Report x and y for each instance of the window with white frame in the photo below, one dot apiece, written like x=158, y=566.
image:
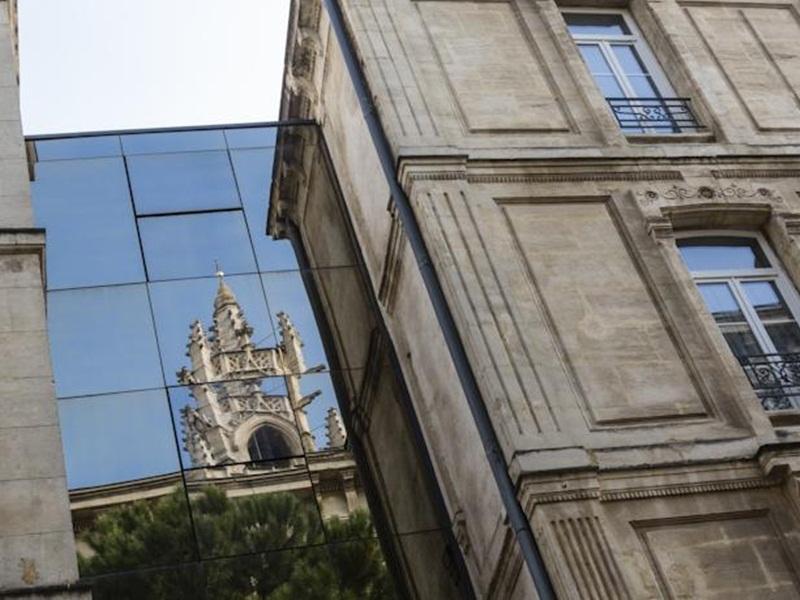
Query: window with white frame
x=755, y=306
x=627, y=72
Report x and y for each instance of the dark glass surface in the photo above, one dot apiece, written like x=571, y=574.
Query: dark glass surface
x=102, y=340
x=173, y=141
x=193, y=245
x=188, y=181
x=81, y=147
x=722, y=253
x=86, y=209
x=251, y=137
x=117, y=438
x=268, y=506
x=253, y=169
x=596, y=24
x=178, y=304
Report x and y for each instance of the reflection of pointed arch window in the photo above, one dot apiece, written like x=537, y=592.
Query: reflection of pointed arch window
x=266, y=443
x=755, y=306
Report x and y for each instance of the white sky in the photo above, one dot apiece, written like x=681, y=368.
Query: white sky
x=93, y=65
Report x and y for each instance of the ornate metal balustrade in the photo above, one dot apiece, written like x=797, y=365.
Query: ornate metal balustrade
x=775, y=378
x=655, y=115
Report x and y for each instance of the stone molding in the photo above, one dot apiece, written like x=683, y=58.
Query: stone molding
x=754, y=173
x=565, y=177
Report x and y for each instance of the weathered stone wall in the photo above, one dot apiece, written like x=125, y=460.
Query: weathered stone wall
x=642, y=455
x=36, y=543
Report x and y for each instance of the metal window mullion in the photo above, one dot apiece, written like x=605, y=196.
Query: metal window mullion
x=752, y=318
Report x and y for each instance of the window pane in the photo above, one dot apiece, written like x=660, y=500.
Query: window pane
x=251, y=137
x=253, y=169
x=629, y=59
x=720, y=301
x=83, y=147
x=644, y=87
x=741, y=340
x=767, y=300
x=178, y=304
x=86, y=208
x=720, y=253
x=191, y=245
x=785, y=336
x=597, y=63
x=602, y=24
x=166, y=183
x=102, y=340
x=118, y=437
x=173, y=141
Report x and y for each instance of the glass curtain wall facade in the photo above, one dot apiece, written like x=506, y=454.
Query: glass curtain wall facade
x=204, y=450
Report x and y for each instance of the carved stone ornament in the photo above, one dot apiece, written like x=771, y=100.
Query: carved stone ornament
x=677, y=194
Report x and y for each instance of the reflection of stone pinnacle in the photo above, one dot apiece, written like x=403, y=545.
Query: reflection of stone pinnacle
x=217, y=270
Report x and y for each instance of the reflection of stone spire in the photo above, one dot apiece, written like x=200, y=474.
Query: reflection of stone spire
x=337, y=437
x=230, y=327
x=292, y=345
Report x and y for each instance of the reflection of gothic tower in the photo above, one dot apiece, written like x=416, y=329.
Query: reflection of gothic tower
x=235, y=418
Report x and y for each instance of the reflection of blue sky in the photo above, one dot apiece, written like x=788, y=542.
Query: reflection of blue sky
x=190, y=245
x=86, y=209
x=167, y=183
x=287, y=293
x=173, y=141
x=117, y=437
x=82, y=147
x=102, y=340
x=253, y=170
x=176, y=304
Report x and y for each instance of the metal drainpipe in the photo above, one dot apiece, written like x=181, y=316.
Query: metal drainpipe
x=516, y=515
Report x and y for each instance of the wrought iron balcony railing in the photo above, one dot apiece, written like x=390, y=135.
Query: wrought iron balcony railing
x=775, y=379
x=655, y=115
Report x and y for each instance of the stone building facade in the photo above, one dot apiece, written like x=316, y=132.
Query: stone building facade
x=648, y=424
x=37, y=549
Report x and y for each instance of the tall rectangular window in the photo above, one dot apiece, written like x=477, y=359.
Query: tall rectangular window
x=628, y=74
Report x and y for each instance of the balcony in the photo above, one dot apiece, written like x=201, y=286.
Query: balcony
x=775, y=379
x=655, y=115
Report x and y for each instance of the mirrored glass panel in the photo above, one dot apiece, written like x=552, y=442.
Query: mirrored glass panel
x=86, y=209
x=236, y=421
x=239, y=510
x=173, y=141
x=102, y=340
x=184, y=582
x=596, y=24
x=80, y=147
x=251, y=137
x=117, y=438
x=196, y=245
x=203, y=318
x=190, y=181
x=253, y=169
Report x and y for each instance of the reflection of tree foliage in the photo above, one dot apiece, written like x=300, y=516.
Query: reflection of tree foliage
x=129, y=537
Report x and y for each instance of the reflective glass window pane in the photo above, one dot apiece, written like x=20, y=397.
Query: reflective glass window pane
x=184, y=582
x=116, y=531
x=629, y=59
x=116, y=438
x=766, y=300
x=257, y=411
x=644, y=87
x=191, y=245
x=167, y=183
x=785, y=336
x=173, y=141
x=80, y=147
x=239, y=512
x=286, y=293
x=91, y=237
x=597, y=63
x=361, y=569
x=253, y=170
x=597, y=24
x=177, y=305
x=741, y=340
x=721, y=253
x=319, y=388
x=721, y=302
x=251, y=137
x=102, y=340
